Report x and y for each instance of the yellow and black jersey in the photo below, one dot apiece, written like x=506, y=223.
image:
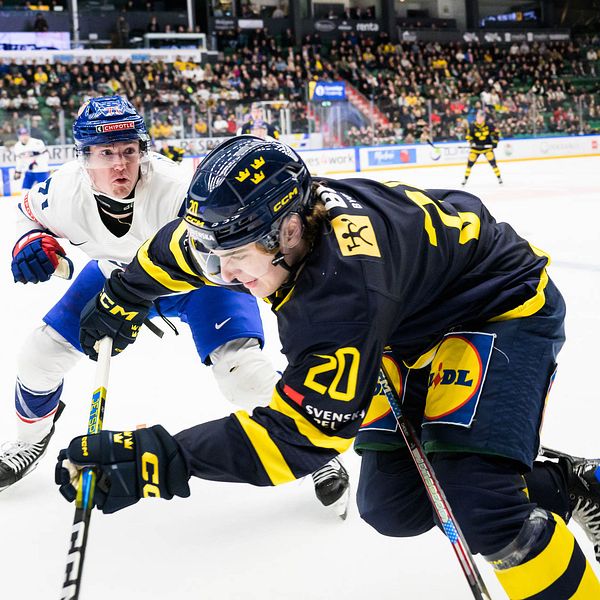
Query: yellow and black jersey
x=175, y=153
x=272, y=131
x=483, y=136
x=395, y=266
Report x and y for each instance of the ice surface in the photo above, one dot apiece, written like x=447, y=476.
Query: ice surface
x=236, y=542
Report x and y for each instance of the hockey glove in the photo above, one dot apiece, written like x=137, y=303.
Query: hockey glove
x=109, y=314
x=129, y=465
x=36, y=256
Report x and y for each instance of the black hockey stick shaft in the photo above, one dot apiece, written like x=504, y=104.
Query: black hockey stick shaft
x=436, y=495
x=87, y=481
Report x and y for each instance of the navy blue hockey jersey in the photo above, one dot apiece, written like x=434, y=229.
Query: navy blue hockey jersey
x=395, y=266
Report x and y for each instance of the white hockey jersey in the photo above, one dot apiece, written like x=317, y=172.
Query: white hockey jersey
x=65, y=206
x=32, y=156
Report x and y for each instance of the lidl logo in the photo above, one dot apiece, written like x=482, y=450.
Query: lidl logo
x=456, y=377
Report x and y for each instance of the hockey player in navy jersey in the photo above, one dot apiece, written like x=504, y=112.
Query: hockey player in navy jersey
x=483, y=137
x=459, y=306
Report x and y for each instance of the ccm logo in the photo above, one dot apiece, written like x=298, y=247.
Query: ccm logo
x=281, y=203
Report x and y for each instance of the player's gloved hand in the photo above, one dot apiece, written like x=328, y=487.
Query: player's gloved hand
x=111, y=314
x=36, y=256
x=17, y=175
x=129, y=465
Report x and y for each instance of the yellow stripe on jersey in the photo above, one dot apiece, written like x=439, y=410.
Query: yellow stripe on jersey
x=560, y=564
x=529, y=307
x=269, y=454
x=287, y=297
x=314, y=435
x=175, y=248
x=159, y=274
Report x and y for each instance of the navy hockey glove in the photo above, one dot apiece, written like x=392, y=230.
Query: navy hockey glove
x=110, y=314
x=36, y=256
x=130, y=465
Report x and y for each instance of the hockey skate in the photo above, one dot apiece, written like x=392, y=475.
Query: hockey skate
x=19, y=458
x=332, y=487
x=583, y=476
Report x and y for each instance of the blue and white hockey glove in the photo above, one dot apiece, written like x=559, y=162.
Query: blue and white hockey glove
x=130, y=465
x=36, y=257
x=113, y=315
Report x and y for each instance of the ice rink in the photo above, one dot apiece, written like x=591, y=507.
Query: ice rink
x=236, y=542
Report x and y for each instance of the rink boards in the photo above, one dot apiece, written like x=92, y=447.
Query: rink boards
x=369, y=158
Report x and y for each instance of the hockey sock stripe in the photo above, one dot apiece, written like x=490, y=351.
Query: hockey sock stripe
x=32, y=404
x=556, y=571
x=38, y=419
x=589, y=587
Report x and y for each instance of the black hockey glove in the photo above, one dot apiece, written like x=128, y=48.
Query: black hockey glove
x=130, y=465
x=110, y=314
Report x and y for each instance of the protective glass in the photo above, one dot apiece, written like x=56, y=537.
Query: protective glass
x=101, y=157
x=252, y=261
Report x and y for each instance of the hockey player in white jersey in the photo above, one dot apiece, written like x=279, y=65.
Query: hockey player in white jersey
x=31, y=156
x=107, y=202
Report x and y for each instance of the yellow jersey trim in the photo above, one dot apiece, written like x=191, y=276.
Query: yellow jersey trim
x=175, y=248
x=315, y=436
x=268, y=453
x=159, y=274
x=287, y=297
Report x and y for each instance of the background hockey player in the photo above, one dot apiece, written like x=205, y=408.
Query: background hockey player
x=172, y=152
x=31, y=156
x=257, y=113
x=355, y=269
x=483, y=137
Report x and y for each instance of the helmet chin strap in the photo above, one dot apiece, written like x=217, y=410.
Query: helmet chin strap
x=279, y=261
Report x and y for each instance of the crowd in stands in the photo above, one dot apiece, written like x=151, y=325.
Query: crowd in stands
x=419, y=90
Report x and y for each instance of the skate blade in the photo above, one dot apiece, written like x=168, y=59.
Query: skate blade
x=340, y=506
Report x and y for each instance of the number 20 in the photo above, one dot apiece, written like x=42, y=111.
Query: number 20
x=336, y=363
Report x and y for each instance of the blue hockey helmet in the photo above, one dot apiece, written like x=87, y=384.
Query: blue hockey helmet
x=106, y=120
x=241, y=192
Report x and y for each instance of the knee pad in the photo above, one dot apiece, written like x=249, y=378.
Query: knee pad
x=487, y=497
x=44, y=359
x=391, y=497
x=244, y=373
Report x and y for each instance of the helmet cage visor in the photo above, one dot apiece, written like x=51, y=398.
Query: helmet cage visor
x=251, y=263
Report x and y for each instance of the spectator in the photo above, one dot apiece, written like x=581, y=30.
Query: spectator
x=122, y=32
x=153, y=25
x=40, y=24
x=279, y=12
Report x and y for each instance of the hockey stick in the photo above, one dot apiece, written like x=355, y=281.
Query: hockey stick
x=87, y=481
x=434, y=491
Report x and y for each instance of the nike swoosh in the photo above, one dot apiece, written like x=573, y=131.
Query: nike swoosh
x=219, y=325
x=80, y=244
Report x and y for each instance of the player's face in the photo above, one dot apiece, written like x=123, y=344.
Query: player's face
x=260, y=132
x=257, y=113
x=24, y=138
x=253, y=267
x=114, y=168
